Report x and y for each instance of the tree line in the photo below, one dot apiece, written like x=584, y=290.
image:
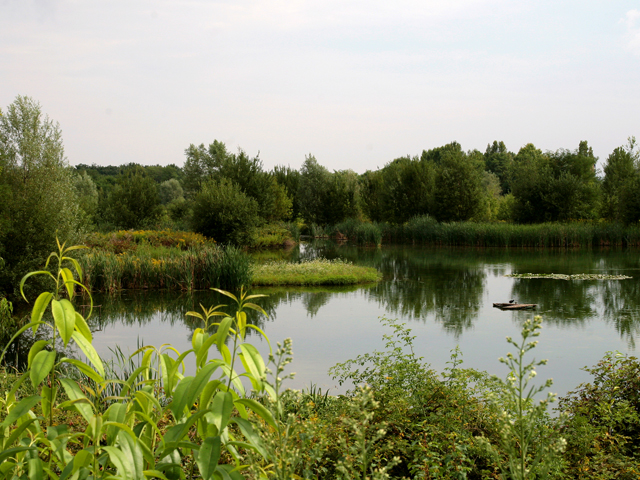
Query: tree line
x=226, y=195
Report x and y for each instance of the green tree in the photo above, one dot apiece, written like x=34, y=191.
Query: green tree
x=87, y=194
x=557, y=186
x=170, y=190
x=407, y=188
x=618, y=170
x=458, y=185
x=222, y=211
x=133, y=201
x=38, y=198
x=342, y=197
x=312, y=188
x=498, y=160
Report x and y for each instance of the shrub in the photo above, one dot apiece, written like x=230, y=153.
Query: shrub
x=603, y=420
x=223, y=212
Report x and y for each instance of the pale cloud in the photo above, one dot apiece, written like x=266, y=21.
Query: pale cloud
x=632, y=21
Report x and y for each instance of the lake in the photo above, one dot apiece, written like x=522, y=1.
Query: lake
x=444, y=295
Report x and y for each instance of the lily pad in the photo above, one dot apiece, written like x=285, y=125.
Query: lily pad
x=560, y=276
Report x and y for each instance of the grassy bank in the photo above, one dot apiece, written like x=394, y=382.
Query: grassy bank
x=315, y=272
x=427, y=231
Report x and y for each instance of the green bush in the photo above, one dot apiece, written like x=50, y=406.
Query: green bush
x=223, y=212
x=603, y=421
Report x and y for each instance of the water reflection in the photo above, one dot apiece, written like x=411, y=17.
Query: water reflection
x=451, y=287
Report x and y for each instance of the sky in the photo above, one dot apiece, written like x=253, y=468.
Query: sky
x=356, y=83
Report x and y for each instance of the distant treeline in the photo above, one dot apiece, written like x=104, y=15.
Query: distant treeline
x=446, y=183
x=231, y=198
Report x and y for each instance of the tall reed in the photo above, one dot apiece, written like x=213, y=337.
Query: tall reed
x=425, y=230
x=196, y=268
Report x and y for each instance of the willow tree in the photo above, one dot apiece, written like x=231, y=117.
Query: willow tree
x=38, y=198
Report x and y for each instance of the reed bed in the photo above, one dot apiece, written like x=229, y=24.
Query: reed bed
x=196, y=268
x=360, y=233
x=313, y=272
x=129, y=240
x=426, y=231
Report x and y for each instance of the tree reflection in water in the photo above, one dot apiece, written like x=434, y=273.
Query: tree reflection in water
x=448, y=285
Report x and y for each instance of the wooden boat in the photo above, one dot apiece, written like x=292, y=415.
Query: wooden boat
x=515, y=306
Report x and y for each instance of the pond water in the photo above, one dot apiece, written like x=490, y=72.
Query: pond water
x=444, y=295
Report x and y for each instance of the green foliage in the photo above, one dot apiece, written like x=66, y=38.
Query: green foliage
x=361, y=233
x=498, y=160
x=618, y=169
x=557, y=186
x=458, y=191
x=215, y=163
x=194, y=268
x=162, y=424
x=527, y=437
x=312, y=187
x=170, y=191
x=36, y=185
x=223, y=212
x=87, y=194
x=603, y=424
x=133, y=202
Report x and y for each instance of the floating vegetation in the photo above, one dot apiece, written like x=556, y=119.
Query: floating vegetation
x=579, y=276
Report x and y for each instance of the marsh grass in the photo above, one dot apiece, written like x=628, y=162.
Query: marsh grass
x=152, y=267
x=314, y=272
x=425, y=230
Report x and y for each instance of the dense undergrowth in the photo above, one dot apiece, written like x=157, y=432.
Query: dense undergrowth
x=232, y=418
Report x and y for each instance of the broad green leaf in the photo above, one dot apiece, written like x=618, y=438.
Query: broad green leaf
x=257, y=308
x=253, y=438
x=252, y=361
x=208, y=457
x=131, y=450
x=12, y=451
x=74, y=393
x=259, y=410
x=31, y=274
x=179, y=401
x=67, y=277
x=121, y=462
x=198, y=384
x=42, y=364
x=155, y=474
x=201, y=356
x=64, y=316
x=131, y=380
x=17, y=433
x=82, y=459
x=224, y=292
x=242, y=323
x=39, y=307
x=231, y=472
x=221, y=409
x=208, y=391
x=21, y=408
x=35, y=348
x=35, y=469
x=76, y=265
x=83, y=328
x=48, y=399
x=196, y=339
x=223, y=332
x=85, y=369
x=89, y=351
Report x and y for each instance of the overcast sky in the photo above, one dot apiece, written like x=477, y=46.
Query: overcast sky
x=355, y=83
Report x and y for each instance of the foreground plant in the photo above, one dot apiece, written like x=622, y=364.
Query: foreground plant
x=161, y=424
x=531, y=448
